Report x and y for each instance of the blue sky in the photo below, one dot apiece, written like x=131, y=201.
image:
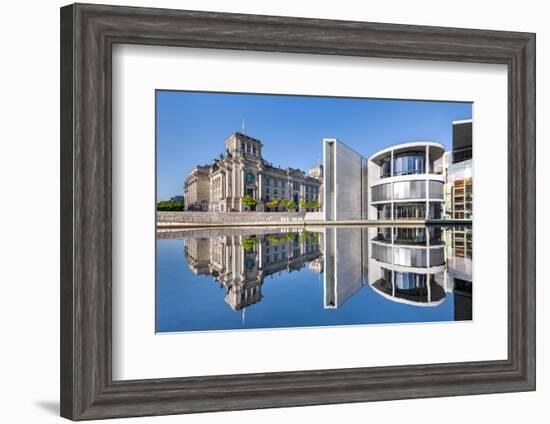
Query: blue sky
x=192, y=127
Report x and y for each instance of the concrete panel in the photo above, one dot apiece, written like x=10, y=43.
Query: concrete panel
x=345, y=190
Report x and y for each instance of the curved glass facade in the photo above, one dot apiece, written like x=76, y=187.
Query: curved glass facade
x=419, y=288
x=407, y=163
x=383, y=211
x=409, y=190
x=405, y=256
x=381, y=192
x=410, y=235
x=409, y=211
x=409, y=257
x=403, y=190
x=385, y=167
x=436, y=189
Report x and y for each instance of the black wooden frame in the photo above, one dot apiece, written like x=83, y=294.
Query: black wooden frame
x=88, y=33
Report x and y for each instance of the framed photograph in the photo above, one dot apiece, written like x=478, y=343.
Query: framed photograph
x=263, y=211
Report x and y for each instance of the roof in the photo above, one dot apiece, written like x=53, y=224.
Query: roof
x=246, y=137
x=409, y=144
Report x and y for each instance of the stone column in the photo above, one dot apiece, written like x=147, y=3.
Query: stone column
x=240, y=206
x=233, y=186
x=260, y=189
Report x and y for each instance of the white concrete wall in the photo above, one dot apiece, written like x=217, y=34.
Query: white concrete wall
x=347, y=173
x=373, y=175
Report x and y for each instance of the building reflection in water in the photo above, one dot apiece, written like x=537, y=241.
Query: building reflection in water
x=241, y=261
x=346, y=260
x=418, y=266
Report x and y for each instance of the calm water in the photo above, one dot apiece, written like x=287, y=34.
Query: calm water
x=229, y=279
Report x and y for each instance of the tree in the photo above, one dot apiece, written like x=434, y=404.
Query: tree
x=273, y=239
x=290, y=237
x=249, y=243
x=290, y=205
x=175, y=205
x=249, y=201
x=304, y=204
x=314, y=204
x=310, y=236
x=273, y=203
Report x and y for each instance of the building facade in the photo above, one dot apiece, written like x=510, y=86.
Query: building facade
x=196, y=190
x=403, y=183
x=242, y=180
x=460, y=172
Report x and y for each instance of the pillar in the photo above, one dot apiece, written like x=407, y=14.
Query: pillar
x=427, y=171
x=391, y=188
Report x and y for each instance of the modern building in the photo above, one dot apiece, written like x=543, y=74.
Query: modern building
x=460, y=172
x=403, y=183
x=242, y=172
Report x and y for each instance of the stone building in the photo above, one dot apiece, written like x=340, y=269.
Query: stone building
x=241, y=172
x=196, y=189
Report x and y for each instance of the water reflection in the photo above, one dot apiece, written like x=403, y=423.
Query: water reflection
x=322, y=276
x=240, y=262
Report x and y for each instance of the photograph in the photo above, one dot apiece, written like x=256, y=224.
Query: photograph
x=289, y=211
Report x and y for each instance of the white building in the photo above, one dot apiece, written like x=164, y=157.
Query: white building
x=403, y=183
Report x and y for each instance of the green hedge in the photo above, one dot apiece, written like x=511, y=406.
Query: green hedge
x=170, y=206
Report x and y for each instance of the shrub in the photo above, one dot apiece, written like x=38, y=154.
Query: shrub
x=290, y=205
x=273, y=203
x=176, y=205
x=314, y=204
x=249, y=243
x=248, y=200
